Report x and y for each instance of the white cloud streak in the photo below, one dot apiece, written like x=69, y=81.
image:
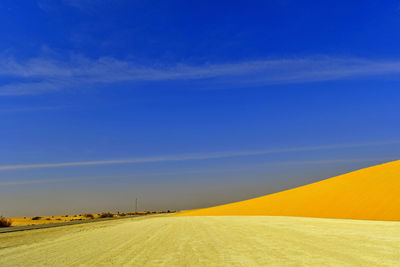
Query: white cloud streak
x=40, y=75
x=186, y=157
x=194, y=172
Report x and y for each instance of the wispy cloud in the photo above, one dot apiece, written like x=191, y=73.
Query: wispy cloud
x=185, y=157
x=39, y=75
x=193, y=172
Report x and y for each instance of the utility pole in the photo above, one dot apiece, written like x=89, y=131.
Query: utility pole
x=136, y=206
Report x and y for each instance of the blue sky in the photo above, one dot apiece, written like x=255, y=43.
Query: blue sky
x=189, y=104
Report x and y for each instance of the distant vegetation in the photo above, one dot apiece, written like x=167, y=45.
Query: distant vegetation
x=4, y=222
x=106, y=215
x=87, y=216
x=90, y=216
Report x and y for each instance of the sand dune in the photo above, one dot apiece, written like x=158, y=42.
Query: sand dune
x=372, y=194
x=207, y=241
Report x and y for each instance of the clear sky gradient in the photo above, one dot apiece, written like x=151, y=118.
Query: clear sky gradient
x=186, y=104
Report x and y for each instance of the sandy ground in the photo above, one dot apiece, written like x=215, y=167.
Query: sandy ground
x=208, y=241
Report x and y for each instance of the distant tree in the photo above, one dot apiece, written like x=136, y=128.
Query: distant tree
x=4, y=222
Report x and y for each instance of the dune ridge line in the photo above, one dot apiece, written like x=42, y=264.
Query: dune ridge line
x=371, y=193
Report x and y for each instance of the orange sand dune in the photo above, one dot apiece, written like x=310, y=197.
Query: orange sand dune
x=372, y=194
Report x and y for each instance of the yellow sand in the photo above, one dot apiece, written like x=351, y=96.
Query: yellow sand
x=207, y=241
x=372, y=194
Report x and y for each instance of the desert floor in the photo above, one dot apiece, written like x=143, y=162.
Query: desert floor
x=207, y=241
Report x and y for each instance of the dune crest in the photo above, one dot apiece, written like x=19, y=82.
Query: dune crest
x=372, y=193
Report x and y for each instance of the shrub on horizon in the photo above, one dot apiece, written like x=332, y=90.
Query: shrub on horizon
x=106, y=215
x=4, y=222
x=90, y=216
x=36, y=218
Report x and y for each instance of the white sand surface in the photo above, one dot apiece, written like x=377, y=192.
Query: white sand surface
x=208, y=241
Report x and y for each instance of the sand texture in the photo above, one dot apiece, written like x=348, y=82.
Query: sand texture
x=208, y=241
x=371, y=194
